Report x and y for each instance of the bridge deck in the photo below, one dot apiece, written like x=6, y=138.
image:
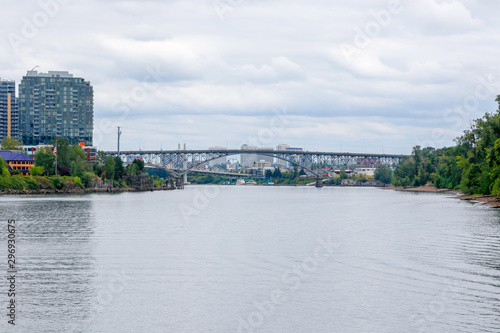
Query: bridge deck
x=229, y=152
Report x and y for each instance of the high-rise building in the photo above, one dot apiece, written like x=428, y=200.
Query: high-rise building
x=9, y=115
x=55, y=104
x=248, y=159
x=282, y=147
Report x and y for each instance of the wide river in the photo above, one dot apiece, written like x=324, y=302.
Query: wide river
x=252, y=259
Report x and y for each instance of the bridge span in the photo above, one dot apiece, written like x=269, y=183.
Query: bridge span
x=189, y=160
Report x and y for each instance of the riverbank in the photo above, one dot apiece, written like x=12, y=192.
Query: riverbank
x=81, y=190
x=487, y=200
x=426, y=188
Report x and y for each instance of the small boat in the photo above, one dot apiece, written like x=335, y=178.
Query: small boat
x=251, y=182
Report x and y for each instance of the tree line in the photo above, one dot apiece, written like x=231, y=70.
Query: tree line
x=73, y=168
x=472, y=165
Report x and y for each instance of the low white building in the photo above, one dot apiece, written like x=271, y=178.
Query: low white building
x=370, y=172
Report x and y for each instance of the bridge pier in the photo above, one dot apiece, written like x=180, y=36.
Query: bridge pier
x=319, y=182
x=179, y=183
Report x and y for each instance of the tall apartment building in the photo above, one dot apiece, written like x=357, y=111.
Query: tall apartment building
x=9, y=115
x=55, y=104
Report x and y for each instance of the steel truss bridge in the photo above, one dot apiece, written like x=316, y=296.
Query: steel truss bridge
x=185, y=161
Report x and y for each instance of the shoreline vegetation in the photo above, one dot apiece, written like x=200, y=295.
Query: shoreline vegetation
x=66, y=169
x=81, y=190
x=471, y=167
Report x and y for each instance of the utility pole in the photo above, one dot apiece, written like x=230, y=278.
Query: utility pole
x=55, y=150
x=185, y=166
x=118, y=148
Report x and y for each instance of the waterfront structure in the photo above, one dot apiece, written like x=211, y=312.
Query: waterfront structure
x=9, y=115
x=55, y=104
x=17, y=160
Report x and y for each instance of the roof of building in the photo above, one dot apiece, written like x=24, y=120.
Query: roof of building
x=14, y=155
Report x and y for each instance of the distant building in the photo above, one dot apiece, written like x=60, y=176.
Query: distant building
x=17, y=160
x=233, y=166
x=248, y=159
x=55, y=104
x=9, y=113
x=90, y=153
x=283, y=147
x=32, y=150
x=220, y=160
x=370, y=172
x=368, y=162
x=261, y=166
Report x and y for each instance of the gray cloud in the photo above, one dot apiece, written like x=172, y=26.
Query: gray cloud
x=219, y=78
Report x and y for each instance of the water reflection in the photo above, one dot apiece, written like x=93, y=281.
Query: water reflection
x=56, y=270
x=112, y=263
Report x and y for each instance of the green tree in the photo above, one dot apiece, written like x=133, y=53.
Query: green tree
x=77, y=158
x=447, y=173
x=493, y=160
x=4, y=169
x=343, y=174
x=88, y=178
x=277, y=173
x=140, y=165
x=302, y=172
x=384, y=174
x=63, y=152
x=132, y=170
x=45, y=158
x=37, y=171
x=109, y=167
x=119, y=169
x=11, y=144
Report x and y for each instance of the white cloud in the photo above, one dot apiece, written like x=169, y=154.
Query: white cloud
x=281, y=69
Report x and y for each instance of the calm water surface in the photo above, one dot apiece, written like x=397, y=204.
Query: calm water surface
x=253, y=259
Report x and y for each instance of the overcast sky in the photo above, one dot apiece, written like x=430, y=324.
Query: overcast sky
x=360, y=76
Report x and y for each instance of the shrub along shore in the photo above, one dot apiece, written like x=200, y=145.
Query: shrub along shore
x=74, y=173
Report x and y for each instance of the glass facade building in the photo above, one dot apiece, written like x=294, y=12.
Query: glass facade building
x=9, y=115
x=55, y=104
